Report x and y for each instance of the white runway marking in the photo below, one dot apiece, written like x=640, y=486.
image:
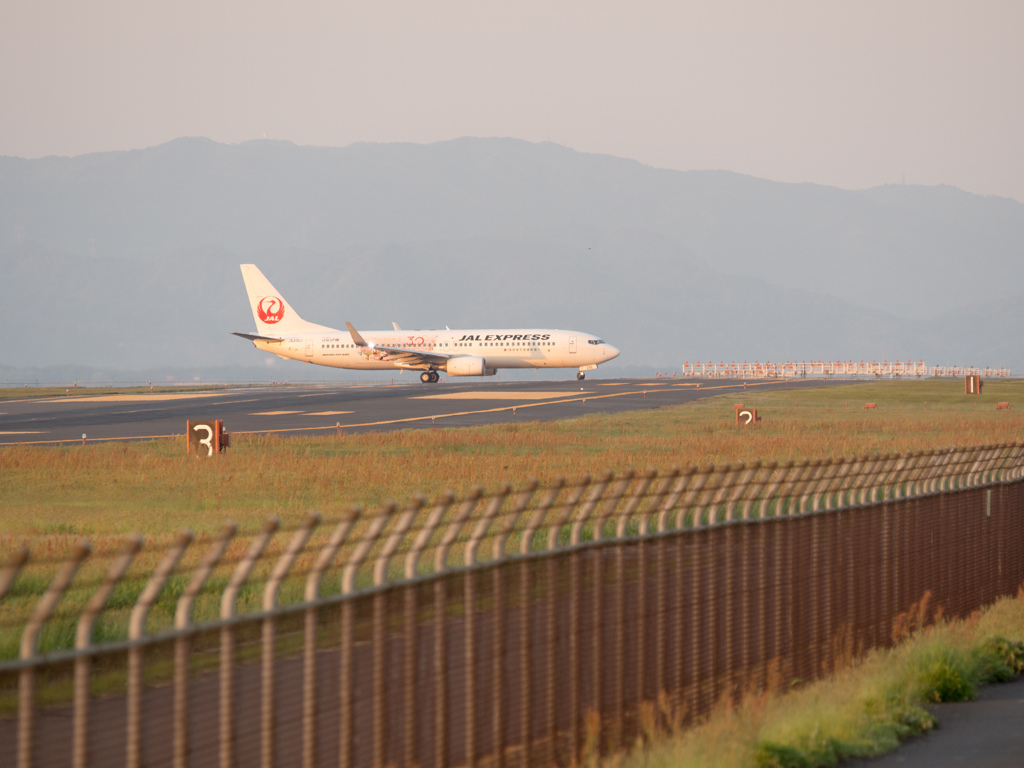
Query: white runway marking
x=130, y=398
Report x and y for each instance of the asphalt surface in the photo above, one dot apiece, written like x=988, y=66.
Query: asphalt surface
x=317, y=409
x=987, y=733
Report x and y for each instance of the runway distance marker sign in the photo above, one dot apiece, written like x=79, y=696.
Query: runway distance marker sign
x=206, y=438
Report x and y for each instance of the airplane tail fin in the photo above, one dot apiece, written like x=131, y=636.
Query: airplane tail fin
x=274, y=316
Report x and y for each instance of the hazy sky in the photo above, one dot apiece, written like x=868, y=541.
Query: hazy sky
x=853, y=94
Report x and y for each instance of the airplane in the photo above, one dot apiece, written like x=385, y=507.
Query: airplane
x=478, y=352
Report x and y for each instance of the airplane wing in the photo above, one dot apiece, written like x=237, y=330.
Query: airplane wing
x=256, y=337
x=399, y=356
x=410, y=358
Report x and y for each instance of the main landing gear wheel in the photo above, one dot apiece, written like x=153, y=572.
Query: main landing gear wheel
x=580, y=376
x=430, y=377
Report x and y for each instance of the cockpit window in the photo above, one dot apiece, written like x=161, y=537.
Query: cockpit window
x=595, y=341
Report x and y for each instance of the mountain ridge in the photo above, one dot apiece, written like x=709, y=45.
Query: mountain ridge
x=673, y=262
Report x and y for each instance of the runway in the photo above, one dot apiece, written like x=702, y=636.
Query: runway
x=312, y=409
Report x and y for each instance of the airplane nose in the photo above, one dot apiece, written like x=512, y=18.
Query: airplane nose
x=611, y=351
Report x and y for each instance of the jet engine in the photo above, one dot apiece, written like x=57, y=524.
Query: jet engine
x=469, y=365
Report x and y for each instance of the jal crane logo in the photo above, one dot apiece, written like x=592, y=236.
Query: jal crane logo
x=270, y=309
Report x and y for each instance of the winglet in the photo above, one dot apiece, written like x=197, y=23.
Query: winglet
x=395, y=325
x=359, y=340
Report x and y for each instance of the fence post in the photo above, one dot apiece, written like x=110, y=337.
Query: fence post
x=526, y=543
x=943, y=470
x=739, y=488
x=346, y=711
x=227, y=639
x=526, y=667
x=498, y=649
x=509, y=521
x=619, y=692
x=637, y=496
x=753, y=483
x=654, y=505
x=29, y=642
x=136, y=630
x=379, y=649
x=380, y=577
x=697, y=497
x=270, y=593
x=608, y=509
x=593, y=500
x=470, y=600
x=840, y=486
x=83, y=640
x=728, y=473
x=312, y=594
x=808, y=482
x=672, y=502
x=182, y=645
x=394, y=540
x=888, y=468
x=822, y=492
x=555, y=527
x=864, y=488
x=11, y=569
x=575, y=601
x=452, y=531
x=777, y=477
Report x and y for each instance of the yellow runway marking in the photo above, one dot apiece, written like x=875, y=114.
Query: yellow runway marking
x=37, y=432
x=494, y=396
x=130, y=398
x=329, y=413
x=439, y=416
x=410, y=419
x=274, y=413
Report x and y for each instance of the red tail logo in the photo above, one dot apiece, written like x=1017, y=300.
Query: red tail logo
x=270, y=309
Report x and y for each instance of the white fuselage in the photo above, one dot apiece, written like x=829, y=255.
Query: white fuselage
x=500, y=348
x=281, y=331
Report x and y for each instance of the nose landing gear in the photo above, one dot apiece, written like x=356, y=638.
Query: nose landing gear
x=580, y=376
x=430, y=377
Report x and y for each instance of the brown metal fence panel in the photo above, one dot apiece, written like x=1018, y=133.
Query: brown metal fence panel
x=502, y=629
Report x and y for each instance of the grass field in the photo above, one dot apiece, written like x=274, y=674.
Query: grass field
x=155, y=489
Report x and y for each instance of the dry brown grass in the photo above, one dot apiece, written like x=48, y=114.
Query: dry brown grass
x=154, y=488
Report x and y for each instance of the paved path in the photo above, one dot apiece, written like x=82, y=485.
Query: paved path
x=987, y=733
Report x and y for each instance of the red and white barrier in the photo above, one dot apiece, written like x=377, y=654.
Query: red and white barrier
x=828, y=368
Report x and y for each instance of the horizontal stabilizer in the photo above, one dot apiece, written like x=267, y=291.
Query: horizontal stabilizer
x=256, y=337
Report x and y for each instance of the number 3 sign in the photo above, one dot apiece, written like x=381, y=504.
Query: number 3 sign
x=206, y=438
